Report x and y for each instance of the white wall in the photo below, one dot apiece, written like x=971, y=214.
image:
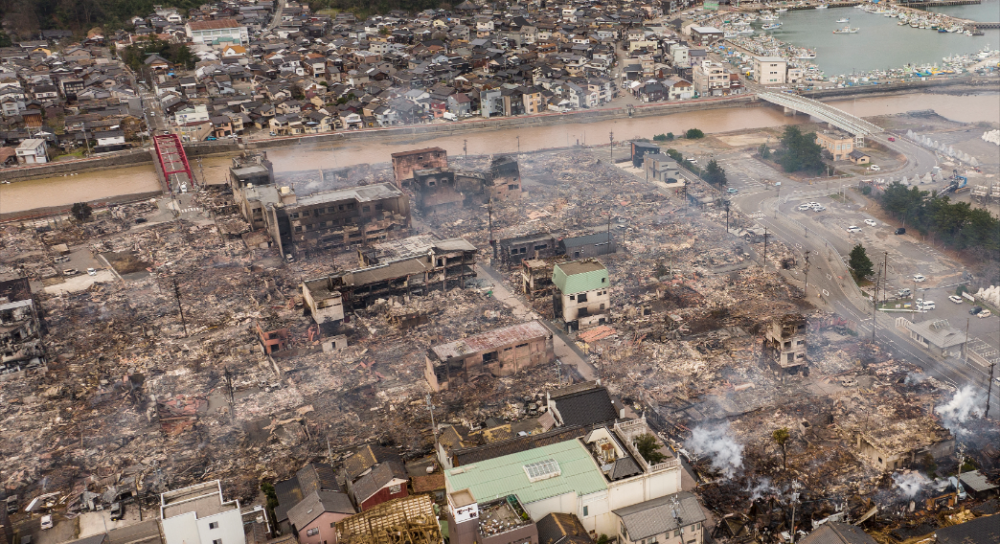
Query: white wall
x=188, y=529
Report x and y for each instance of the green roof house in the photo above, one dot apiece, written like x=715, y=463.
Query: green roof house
x=582, y=299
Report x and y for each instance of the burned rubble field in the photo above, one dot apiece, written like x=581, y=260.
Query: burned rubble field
x=132, y=390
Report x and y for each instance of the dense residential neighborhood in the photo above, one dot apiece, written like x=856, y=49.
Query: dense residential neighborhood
x=242, y=68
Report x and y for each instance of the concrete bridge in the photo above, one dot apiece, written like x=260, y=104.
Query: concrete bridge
x=824, y=112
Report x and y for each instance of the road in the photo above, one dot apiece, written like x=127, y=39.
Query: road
x=277, y=15
x=829, y=281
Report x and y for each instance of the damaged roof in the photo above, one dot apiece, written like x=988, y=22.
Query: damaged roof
x=491, y=340
x=318, y=503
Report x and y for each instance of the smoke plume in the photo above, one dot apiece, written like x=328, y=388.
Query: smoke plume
x=910, y=483
x=716, y=442
x=760, y=489
x=964, y=405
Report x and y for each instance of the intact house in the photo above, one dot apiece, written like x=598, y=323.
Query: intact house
x=588, y=246
x=217, y=31
x=671, y=519
x=199, y=514
x=499, y=352
x=640, y=148
x=32, y=151
x=936, y=336
x=531, y=246
x=590, y=477
x=581, y=298
x=310, y=479
x=584, y=404
x=859, y=157
x=384, y=482
x=664, y=169
x=314, y=519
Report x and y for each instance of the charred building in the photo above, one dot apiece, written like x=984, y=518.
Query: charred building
x=435, y=190
x=405, y=162
x=787, y=338
x=21, y=346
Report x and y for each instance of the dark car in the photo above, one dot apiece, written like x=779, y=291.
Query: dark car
x=900, y=230
x=140, y=220
x=975, y=310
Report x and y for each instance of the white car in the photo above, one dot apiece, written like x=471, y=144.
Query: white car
x=874, y=168
x=47, y=522
x=984, y=314
x=853, y=228
x=919, y=278
x=955, y=298
x=871, y=223
x=91, y=271
x=804, y=207
x=819, y=209
x=924, y=305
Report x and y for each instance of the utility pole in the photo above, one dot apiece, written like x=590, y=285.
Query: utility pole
x=765, y=247
x=518, y=145
x=727, y=215
x=795, y=500
x=965, y=346
x=885, y=278
x=611, y=137
x=177, y=294
x=989, y=390
x=806, y=288
x=465, y=147
x=493, y=242
x=430, y=408
x=878, y=278
x=231, y=398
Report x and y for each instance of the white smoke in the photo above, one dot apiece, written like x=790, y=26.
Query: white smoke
x=760, y=489
x=910, y=483
x=914, y=378
x=716, y=442
x=965, y=404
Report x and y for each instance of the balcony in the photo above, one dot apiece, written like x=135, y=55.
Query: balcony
x=502, y=516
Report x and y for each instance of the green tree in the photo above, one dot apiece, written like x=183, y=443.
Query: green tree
x=649, y=448
x=660, y=138
x=800, y=152
x=694, y=134
x=781, y=436
x=297, y=92
x=5, y=40
x=765, y=153
x=714, y=173
x=860, y=264
x=82, y=211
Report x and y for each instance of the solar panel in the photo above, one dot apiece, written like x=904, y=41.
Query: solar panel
x=542, y=470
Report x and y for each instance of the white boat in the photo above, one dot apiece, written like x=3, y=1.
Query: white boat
x=822, y=6
x=781, y=10
x=771, y=26
x=843, y=20
x=847, y=30
x=768, y=18
x=806, y=55
x=747, y=31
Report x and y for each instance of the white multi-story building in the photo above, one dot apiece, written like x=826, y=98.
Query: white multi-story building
x=217, y=31
x=770, y=70
x=199, y=515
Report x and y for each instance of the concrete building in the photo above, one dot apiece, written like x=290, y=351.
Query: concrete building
x=787, y=338
x=499, y=521
x=505, y=178
x=199, y=515
x=536, y=278
x=436, y=191
x=588, y=246
x=671, y=519
x=888, y=445
x=217, y=31
x=589, y=477
x=581, y=299
x=530, y=246
x=32, y=151
x=314, y=518
x=710, y=79
x=839, y=144
x=439, y=264
x=705, y=34
x=770, y=70
x=405, y=162
x=663, y=169
x=501, y=352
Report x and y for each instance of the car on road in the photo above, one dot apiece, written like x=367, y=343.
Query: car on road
x=272, y=133
x=804, y=207
x=919, y=278
x=984, y=314
x=140, y=220
x=47, y=522
x=871, y=223
x=70, y=272
x=874, y=168
x=891, y=139
x=732, y=191
x=903, y=293
x=955, y=298
x=211, y=139
x=91, y=271
x=692, y=161
x=975, y=310
x=819, y=208
x=853, y=228
x=924, y=305
x=900, y=230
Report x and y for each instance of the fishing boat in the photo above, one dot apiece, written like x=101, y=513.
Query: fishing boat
x=844, y=20
x=781, y=10
x=822, y=6
x=847, y=30
x=806, y=54
x=771, y=26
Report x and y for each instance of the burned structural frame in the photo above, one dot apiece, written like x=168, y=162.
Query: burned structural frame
x=446, y=265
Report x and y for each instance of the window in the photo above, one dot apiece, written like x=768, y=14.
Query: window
x=489, y=357
x=298, y=229
x=586, y=511
x=582, y=297
x=677, y=533
x=311, y=532
x=213, y=525
x=513, y=251
x=217, y=541
x=394, y=489
x=604, y=280
x=333, y=525
x=695, y=527
x=366, y=209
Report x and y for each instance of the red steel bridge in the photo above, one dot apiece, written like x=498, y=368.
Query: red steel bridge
x=174, y=167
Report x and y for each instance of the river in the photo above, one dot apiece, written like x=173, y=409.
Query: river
x=32, y=194
x=882, y=43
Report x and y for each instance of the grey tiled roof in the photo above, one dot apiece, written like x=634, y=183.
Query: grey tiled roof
x=656, y=516
x=838, y=533
x=984, y=530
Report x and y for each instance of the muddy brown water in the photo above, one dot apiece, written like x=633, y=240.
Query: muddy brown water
x=58, y=191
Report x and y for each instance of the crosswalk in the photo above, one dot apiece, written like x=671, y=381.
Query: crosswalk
x=191, y=210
